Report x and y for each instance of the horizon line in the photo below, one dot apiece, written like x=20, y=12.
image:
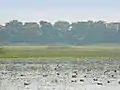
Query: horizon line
x=70, y=21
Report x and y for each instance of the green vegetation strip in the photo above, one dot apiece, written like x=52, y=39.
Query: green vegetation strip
x=54, y=55
x=58, y=51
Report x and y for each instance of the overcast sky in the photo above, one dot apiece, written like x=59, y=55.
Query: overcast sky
x=53, y=10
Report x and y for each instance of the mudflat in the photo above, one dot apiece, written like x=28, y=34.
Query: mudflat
x=59, y=73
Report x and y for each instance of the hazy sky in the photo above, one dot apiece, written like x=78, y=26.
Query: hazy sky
x=53, y=10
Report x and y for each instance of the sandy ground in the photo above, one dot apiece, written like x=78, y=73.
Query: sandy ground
x=60, y=74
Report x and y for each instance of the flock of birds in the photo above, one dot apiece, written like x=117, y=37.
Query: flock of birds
x=80, y=72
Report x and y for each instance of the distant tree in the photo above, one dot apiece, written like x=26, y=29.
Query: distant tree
x=79, y=30
x=48, y=33
x=60, y=32
x=31, y=32
x=63, y=31
x=13, y=30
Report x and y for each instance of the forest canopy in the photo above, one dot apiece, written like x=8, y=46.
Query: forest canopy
x=62, y=32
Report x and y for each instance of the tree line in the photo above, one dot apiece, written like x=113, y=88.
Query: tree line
x=61, y=32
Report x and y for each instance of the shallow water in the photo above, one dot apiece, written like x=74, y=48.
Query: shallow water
x=60, y=74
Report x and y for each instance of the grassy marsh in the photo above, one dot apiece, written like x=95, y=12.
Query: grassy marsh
x=59, y=51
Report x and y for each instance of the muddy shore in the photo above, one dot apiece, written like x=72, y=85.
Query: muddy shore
x=60, y=74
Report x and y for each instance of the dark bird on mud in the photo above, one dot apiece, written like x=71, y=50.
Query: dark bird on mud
x=108, y=81
x=74, y=76
x=119, y=82
x=99, y=84
x=26, y=83
x=115, y=70
x=21, y=75
x=45, y=75
x=81, y=80
x=58, y=74
x=95, y=79
x=73, y=81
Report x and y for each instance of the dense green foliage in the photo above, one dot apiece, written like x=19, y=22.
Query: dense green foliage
x=61, y=32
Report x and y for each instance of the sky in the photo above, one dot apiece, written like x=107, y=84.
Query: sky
x=54, y=10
